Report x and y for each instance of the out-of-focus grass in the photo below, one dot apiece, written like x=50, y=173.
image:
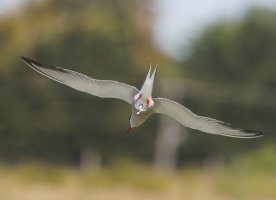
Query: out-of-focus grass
x=34, y=173
x=127, y=174
x=250, y=176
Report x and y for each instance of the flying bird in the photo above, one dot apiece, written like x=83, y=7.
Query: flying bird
x=142, y=103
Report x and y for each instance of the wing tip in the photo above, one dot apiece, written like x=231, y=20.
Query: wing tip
x=31, y=62
x=36, y=65
x=253, y=133
x=247, y=132
x=26, y=60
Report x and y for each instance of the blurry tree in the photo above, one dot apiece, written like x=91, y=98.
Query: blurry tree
x=47, y=121
x=230, y=76
x=230, y=68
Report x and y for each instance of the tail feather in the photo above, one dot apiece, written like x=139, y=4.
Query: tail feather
x=148, y=83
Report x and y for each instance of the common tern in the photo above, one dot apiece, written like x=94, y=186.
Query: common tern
x=143, y=105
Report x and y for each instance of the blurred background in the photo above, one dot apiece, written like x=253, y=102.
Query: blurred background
x=218, y=58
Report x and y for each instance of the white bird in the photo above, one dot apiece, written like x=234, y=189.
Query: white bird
x=143, y=105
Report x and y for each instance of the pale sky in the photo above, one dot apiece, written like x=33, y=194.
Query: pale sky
x=178, y=21
x=7, y=6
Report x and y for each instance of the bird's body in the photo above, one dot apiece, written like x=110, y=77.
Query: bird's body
x=143, y=105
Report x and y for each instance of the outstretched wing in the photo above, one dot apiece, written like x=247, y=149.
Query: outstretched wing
x=204, y=124
x=81, y=82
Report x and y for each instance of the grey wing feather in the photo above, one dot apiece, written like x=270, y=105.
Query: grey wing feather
x=204, y=124
x=81, y=82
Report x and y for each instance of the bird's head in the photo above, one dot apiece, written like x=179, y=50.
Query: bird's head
x=142, y=109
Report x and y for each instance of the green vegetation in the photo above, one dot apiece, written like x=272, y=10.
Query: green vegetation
x=228, y=74
x=57, y=143
x=41, y=120
x=121, y=174
x=251, y=174
x=244, y=179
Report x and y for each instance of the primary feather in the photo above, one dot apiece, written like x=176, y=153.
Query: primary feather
x=81, y=82
x=204, y=124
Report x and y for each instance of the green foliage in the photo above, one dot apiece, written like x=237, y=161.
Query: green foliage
x=46, y=121
x=230, y=76
x=238, y=52
x=43, y=120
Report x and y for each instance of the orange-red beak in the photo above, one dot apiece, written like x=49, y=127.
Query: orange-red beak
x=129, y=129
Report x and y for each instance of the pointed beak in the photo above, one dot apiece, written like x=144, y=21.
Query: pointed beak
x=129, y=129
